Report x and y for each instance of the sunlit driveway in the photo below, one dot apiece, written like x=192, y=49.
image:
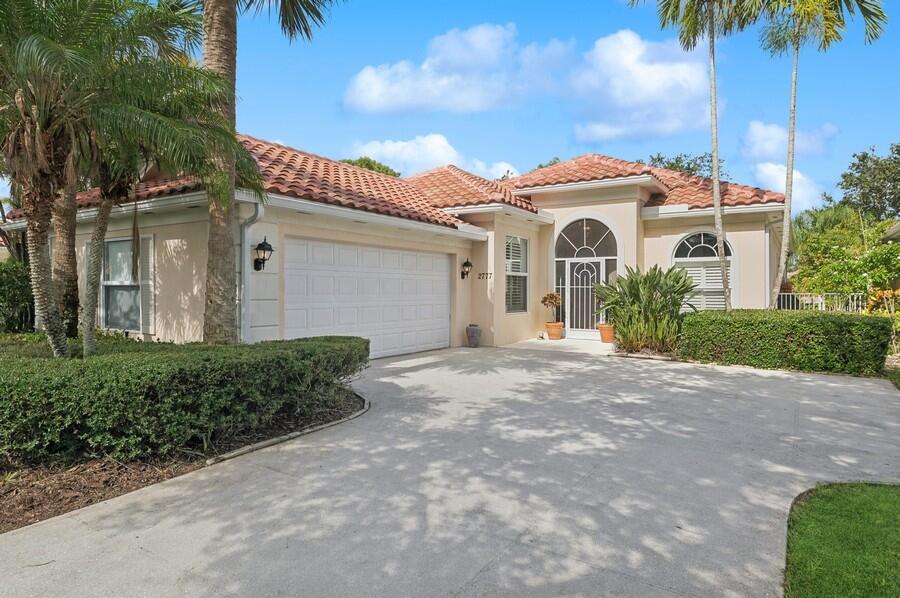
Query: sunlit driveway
x=492, y=472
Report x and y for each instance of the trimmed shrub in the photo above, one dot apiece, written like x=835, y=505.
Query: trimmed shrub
x=15, y=297
x=792, y=340
x=144, y=403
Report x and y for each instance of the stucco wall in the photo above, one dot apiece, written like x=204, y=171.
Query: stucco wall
x=180, y=268
x=748, y=239
x=266, y=289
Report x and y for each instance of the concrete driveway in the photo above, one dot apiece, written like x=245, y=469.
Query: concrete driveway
x=492, y=472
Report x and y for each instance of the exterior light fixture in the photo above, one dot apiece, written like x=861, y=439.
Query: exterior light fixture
x=263, y=255
x=466, y=268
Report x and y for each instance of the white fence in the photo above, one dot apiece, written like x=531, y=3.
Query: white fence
x=853, y=303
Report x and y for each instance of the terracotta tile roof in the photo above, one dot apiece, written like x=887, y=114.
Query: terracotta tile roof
x=142, y=191
x=294, y=173
x=299, y=174
x=452, y=187
x=694, y=191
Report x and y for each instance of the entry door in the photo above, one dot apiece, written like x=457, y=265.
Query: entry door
x=581, y=303
x=399, y=300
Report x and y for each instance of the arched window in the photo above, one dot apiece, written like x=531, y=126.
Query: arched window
x=699, y=245
x=697, y=254
x=585, y=238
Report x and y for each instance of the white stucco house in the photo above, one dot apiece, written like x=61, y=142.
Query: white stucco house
x=361, y=253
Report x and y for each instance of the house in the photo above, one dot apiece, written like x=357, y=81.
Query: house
x=357, y=252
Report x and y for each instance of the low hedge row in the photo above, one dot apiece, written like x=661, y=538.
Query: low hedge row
x=142, y=403
x=792, y=340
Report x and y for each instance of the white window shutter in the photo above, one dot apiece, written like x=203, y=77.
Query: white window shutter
x=148, y=290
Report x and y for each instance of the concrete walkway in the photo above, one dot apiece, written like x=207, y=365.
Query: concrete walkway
x=492, y=472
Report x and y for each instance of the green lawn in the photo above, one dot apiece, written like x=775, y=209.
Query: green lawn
x=892, y=373
x=844, y=540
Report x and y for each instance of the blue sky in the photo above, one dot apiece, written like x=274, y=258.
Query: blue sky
x=508, y=84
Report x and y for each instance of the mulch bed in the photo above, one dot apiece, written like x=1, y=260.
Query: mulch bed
x=32, y=494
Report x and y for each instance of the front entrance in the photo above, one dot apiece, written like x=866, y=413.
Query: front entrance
x=585, y=255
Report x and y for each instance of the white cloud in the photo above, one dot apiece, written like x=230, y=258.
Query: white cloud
x=806, y=194
x=465, y=70
x=768, y=140
x=625, y=86
x=641, y=88
x=427, y=151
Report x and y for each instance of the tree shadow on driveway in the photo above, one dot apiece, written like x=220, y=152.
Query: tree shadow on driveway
x=493, y=472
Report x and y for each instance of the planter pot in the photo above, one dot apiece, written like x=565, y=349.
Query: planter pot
x=554, y=330
x=607, y=333
x=473, y=335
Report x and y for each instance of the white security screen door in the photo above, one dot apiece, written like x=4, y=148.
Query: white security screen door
x=585, y=255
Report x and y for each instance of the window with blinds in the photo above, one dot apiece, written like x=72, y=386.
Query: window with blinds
x=696, y=254
x=708, y=278
x=516, y=274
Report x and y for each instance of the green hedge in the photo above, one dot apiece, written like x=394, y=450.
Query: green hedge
x=150, y=402
x=791, y=340
x=15, y=296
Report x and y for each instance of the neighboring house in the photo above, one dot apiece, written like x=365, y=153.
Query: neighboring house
x=361, y=253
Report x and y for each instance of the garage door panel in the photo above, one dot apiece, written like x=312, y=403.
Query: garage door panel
x=399, y=300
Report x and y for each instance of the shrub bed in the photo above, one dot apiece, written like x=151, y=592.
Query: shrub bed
x=792, y=340
x=150, y=399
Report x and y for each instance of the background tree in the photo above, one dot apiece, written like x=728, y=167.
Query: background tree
x=790, y=25
x=371, y=164
x=872, y=183
x=297, y=19
x=696, y=20
x=695, y=164
x=551, y=162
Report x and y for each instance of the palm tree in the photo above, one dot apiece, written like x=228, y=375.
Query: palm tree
x=161, y=113
x=58, y=90
x=696, y=19
x=297, y=19
x=790, y=25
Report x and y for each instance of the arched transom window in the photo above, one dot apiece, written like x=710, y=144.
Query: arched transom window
x=697, y=254
x=699, y=245
x=585, y=238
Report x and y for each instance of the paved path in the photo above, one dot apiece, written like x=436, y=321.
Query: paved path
x=492, y=472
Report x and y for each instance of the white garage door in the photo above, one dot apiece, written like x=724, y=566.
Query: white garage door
x=399, y=300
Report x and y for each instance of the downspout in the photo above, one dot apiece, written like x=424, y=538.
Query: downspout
x=258, y=211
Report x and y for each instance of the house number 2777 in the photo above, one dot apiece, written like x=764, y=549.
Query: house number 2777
x=485, y=275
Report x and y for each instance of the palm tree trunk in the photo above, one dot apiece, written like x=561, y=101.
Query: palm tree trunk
x=220, y=56
x=65, y=265
x=38, y=212
x=93, y=259
x=788, y=183
x=714, y=129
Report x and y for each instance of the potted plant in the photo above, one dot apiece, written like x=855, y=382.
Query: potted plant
x=552, y=301
x=607, y=331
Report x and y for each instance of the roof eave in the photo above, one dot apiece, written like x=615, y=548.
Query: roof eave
x=539, y=216
x=461, y=230
x=643, y=180
x=685, y=211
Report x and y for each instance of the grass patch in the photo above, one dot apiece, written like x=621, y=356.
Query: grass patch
x=892, y=373
x=844, y=540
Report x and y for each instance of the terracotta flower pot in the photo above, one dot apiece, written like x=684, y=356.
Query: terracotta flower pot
x=607, y=333
x=554, y=330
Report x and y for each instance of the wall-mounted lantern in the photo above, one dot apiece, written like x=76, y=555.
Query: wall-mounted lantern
x=466, y=268
x=263, y=255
